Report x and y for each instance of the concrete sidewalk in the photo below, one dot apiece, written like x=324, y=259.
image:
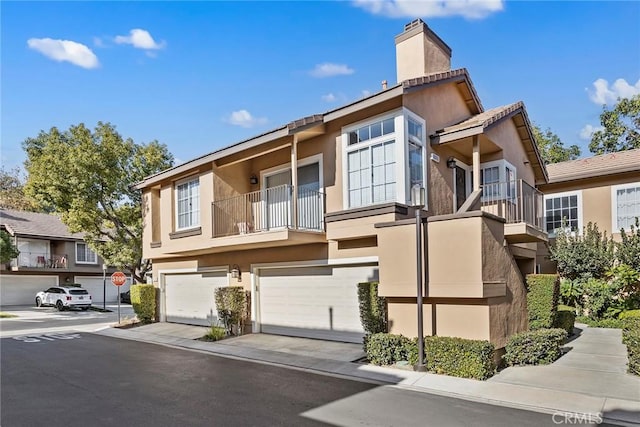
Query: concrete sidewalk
x=549, y=389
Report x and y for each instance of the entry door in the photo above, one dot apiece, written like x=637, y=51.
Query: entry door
x=309, y=198
x=277, y=198
x=461, y=186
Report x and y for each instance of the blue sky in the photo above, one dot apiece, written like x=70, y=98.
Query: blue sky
x=198, y=76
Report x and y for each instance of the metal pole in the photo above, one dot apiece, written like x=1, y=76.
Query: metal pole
x=104, y=287
x=420, y=365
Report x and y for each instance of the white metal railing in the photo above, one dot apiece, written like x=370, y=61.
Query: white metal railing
x=39, y=260
x=515, y=201
x=268, y=209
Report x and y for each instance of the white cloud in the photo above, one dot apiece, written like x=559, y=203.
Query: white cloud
x=328, y=69
x=330, y=97
x=588, y=130
x=365, y=93
x=245, y=119
x=98, y=42
x=65, y=50
x=140, y=39
x=603, y=94
x=470, y=9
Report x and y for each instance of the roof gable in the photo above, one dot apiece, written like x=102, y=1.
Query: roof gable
x=34, y=224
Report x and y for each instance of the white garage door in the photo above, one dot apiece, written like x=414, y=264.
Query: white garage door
x=95, y=286
x=189, y=298
x=21, y=290
x=313, y=302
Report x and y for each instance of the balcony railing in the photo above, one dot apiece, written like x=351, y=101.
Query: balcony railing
x=515, y=201
x=268, y=209
x=39, y=260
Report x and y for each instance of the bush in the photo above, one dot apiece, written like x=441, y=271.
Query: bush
x=232, y=305
x=628, y=249
x=629, y=314
x=565, y=319
x=216, y=333
x=631, y=338
x=571, y=292
x=373, y=313
x=601, y=323
x=539, y=347
x=457, y=357
x=143, y=300
x=542, y=300
x=386, y=349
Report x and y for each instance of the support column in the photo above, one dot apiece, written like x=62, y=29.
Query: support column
x=476, y=163
x=294, y=182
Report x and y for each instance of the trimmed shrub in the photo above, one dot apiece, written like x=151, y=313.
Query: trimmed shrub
x=629, y=314
x=539, y=347
x=386, y=349
x=373, y=313
x=542, y=300
x=631, y=338
x=143, y=300
x=601, y=323
x=232, y=305
x=457, y=357
x=565, y=318
x=216, y=333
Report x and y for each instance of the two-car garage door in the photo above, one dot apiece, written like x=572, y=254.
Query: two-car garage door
x=315, y=302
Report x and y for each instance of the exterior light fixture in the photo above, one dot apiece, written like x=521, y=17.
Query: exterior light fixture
x=236, y=273
x=253, y=179
x=451, y=163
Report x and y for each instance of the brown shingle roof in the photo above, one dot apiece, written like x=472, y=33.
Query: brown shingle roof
x=604, y=164
x=484, y=119
x=36, y=225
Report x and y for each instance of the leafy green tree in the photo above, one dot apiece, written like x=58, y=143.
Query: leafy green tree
x=621, y=127
x=12, y=194
x=551, y=147
x=628, y=249
x=8, y=250
x=87, y=177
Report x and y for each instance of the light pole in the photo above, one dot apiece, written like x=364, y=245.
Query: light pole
x=104, y=286
x=417, y=200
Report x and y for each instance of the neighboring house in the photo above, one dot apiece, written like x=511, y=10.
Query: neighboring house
x=301, y=214
x=49, y=256
x=604, y=190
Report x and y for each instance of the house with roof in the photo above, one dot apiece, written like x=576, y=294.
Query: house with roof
x=301, y=214
x=49, y=255
x=604, y=190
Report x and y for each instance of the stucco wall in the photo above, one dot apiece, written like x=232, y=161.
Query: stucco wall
x=505, y=135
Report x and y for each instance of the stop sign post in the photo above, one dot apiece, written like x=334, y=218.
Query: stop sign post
x=118, y=278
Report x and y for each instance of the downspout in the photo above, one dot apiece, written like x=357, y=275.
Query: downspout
x=476, y=163
x=294, y=182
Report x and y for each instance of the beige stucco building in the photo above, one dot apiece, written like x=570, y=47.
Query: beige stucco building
x=300, y=214
x=604, y=190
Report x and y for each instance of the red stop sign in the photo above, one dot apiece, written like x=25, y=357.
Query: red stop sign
x=118, y=278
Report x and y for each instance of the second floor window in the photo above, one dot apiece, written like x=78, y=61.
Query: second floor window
x=188, y=204
x=84, y=254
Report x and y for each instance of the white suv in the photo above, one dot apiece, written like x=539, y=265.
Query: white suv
x=63, y=297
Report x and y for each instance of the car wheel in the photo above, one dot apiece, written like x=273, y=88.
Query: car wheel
x=60, y=306
x=38, y=302
x=85, y=308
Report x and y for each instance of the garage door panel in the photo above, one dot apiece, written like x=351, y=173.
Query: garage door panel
x=95, y=286
x=316, y=302
x=189, y=298
x=22, y=290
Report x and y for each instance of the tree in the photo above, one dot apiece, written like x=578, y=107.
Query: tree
x=87, y=178
x=8, y=250
x=628, y=249
x=621, y=127
x=551, y=147
x=12, y=191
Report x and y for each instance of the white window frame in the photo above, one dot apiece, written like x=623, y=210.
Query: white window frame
x=469, y=185
x=614, y=204
x=577, y=193
x=400, y=136
x=86, y=251
x=176, y=184
x=502, y=166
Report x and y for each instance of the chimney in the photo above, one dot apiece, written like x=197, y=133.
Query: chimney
x=384, y=85
x=419, y=51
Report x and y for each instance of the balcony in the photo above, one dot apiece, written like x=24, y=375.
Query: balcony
x=520, y=205
x=266, y=218
x=39, y=260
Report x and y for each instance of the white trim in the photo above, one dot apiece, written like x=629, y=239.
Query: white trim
x=614, y=204
x=85, y=262
x=177, y=183
x=467, y=179
x=406, y=191
x=254, y=270
x=563, y=194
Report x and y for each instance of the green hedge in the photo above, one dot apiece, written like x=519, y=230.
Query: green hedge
x=565, y=319
x=143, y=300
x=539, y=347
x=542, y=300
x=373, y=313
x=457, y=357
x=232, y=306
x=631, y=338
x=386, y=349
x=601, y=323
x=629, y=314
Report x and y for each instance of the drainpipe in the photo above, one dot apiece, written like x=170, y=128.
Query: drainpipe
x=476, y=163
x=294, y=182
